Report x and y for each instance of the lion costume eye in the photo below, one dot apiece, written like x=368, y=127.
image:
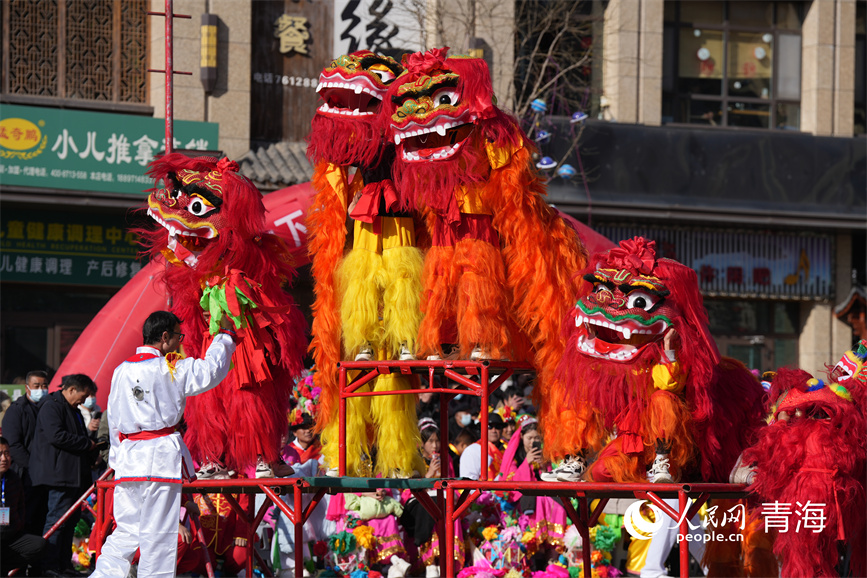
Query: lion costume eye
x=385, y=75
x=447, y=96
x=200, y=207
x=641, y=300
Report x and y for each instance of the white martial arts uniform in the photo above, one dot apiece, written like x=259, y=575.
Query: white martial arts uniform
x=147, y=395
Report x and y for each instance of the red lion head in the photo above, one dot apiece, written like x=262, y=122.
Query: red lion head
x=616, y=334
x=346, y=129
x=813, y=453
x=441, y=114
x=207, y=210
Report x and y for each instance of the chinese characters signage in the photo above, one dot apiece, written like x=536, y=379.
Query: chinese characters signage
x=744, y=264
x=293, y=34
x=88, y=151
x=68, y=248
x=377, y=25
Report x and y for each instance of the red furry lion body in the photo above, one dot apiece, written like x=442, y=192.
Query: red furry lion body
x=232, y=423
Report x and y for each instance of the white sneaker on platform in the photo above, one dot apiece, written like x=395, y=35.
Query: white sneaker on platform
x=366, y=353
x=405, y=353
x=570, y=470
x=659, y=473
x=432, y=571
x=263, y=469
x=212, y=471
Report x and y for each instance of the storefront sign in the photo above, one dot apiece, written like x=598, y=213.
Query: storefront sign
x=293, y=34
x=88, y=151
x=377, y=25
x=742, y=264
x=66, y=248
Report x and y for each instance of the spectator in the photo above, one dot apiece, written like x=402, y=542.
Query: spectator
x=466, y=437
x=19, y=426
x=5, y=402
x=471, y=458
x=428, y=405
x=306, y=443
x=60, y=460
x=17, y=547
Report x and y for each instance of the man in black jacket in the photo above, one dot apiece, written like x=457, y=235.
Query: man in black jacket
x=19, y=425
x=60, y=459
x=17, y=547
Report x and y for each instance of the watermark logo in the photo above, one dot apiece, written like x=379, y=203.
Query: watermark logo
x=644, y=519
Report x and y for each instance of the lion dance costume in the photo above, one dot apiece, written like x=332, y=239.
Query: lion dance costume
x=686, y=412
x=367, y=302
x=813, y=458
x=500, y=268
x=219, y=256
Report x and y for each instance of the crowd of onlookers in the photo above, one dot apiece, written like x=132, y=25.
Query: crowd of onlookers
x=51, y=455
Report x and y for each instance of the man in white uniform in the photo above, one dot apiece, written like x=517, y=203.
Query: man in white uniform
x=146, y=402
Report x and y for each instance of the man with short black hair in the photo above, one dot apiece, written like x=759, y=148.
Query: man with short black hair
x=17, y=546
x=60, y=458
x=147, y=400
x=19, y=427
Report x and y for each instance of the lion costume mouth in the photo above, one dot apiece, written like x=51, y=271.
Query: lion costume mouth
x=616, y=338
x=438, y=141
x=353, y=97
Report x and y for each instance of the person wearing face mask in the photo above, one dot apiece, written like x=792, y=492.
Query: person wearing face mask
x=19, y=427
x=60, y=459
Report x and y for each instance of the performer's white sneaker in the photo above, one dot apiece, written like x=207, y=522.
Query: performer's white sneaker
x=405, y=353
x=478, y=354
x=570, y=470
x=434, y=357
x=212, y=471
x=432, y=571
x=333, y=472
x=659, y=473
x=263, y=469
x=366, y=353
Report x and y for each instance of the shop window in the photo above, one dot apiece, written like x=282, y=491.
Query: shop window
x=81, y=52
x=733, y=63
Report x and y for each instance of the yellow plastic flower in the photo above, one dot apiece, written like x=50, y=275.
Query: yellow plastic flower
x=490, y=533
x=364, y=536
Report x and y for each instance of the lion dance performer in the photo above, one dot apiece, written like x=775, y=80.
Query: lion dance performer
x=812, y=460
x=641, y=363
x=219, y=257
x=367, y=302
x=500, y=269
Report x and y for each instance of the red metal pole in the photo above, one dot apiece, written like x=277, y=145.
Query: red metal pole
x=484, y=419
x=299, y=531
x=170, y=15
x=251, y=533
x=101, y=520
x=341, y=461
x=584, y=530
x=683, y=531
x=447, y=552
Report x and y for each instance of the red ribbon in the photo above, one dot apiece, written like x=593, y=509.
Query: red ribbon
x=367, y=207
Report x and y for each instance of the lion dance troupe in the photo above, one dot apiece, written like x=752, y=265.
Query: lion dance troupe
x=430, y=239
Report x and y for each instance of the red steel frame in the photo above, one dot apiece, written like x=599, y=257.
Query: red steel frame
x=457, y=371
x=271, y=487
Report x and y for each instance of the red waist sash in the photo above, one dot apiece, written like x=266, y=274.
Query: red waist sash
x=148, y=435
